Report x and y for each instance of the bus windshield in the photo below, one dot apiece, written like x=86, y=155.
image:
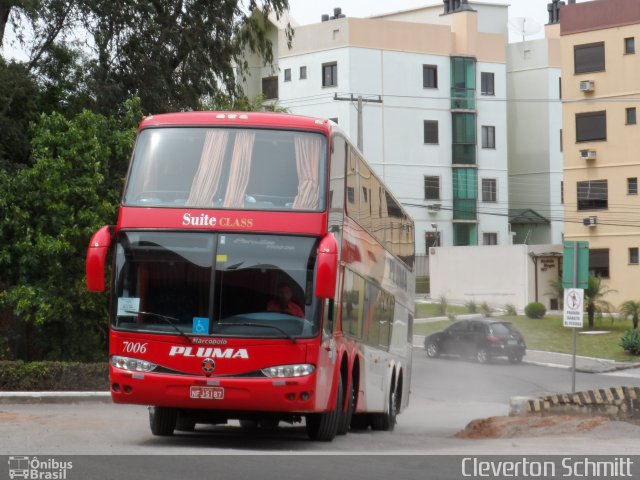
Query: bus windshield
x=240, y=285
x=235, y=168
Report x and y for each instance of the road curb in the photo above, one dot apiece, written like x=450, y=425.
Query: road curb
x=615, y=402
x=54, y=397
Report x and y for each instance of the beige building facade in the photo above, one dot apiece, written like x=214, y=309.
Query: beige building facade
x=601, y=138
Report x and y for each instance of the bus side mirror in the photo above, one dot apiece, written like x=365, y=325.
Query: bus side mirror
x=96, y=258
x=327, y=272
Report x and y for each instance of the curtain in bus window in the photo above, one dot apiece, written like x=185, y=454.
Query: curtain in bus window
x=307, y=164
x=240, y=168
x=205, y=183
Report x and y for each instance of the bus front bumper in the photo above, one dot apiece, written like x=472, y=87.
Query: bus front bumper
x=295, y=394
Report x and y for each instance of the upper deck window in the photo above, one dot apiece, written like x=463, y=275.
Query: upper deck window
x=228, y=168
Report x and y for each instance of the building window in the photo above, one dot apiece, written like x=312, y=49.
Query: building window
x=429, y=76
x=631, y=115
x=591, y=126
x=632, y=186
x=593, y=195
x=487, y=83
x=633, y=255
x=270, y=88
x=562, y=192
x=629, y=45
x=329, y=74
x=488, y=137
x=489, y=189
x=589, y=57
x=431, y=239
x=599, y=262
x=464, y=131
x=489, y=238
x=431, y=131
x=431, y=188
x=303, y=73
x=287, y=74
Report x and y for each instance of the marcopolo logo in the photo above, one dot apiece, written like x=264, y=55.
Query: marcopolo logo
x=34, y=468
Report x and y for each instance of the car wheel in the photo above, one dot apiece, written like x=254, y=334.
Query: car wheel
x=433, y=351
x=345, y=417
x=515, y=358
x=482, y=356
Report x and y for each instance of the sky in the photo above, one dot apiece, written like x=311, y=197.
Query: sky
x=309, y=11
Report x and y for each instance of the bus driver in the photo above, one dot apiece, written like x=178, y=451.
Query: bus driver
x=283, y=302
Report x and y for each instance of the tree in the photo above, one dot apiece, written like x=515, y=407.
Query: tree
x=18, y=108
x=51, y=209
x=631, y=309
x=594, y=298
x=171, y=53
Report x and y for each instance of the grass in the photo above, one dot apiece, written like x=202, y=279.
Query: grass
x=549, y=335
x=427, y=310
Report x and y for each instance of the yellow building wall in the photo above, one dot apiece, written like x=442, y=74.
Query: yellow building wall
x=618, y=158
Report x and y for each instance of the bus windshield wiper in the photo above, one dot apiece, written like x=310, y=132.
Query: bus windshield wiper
x=166, y=318
x=251, y=324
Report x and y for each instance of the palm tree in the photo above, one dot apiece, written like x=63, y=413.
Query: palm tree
x=631, y=309
x=594, y=298
x=557, y=290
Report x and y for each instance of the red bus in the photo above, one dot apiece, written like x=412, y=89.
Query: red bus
x=261, y=272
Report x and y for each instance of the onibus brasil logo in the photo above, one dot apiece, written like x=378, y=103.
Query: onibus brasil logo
x=33, y=468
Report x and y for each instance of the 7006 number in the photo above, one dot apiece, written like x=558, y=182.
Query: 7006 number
x=134, y=347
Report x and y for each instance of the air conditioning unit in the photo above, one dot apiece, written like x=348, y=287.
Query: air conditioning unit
x=434, y=208
x=588, y=154
x=590, y=221
x=587, y=85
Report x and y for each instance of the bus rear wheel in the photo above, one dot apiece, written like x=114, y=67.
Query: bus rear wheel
x=345, y=417
x=386, y=421
x=323, y=427
x=162, y=420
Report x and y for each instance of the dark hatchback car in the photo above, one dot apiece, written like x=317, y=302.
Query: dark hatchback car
x=482, y=339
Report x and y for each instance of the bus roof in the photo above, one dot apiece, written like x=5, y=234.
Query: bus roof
x=235, y=119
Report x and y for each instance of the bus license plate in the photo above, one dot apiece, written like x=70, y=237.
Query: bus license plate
x=207, y=393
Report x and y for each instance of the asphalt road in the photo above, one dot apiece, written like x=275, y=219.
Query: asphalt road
x=446, y=395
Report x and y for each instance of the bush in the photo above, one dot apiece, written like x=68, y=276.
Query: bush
x=630, y=341
x=535, y=310
x=471, y=306
x=53, y=376
x=442, y=304
x=485, y=309
x=510, y=309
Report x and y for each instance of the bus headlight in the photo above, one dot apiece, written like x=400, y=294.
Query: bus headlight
x=281, y=371
x=132, y=364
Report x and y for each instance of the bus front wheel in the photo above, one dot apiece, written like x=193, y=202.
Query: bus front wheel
x=323, y=427
x=162, y=420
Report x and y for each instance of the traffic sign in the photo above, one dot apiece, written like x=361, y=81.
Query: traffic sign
x=573, y=308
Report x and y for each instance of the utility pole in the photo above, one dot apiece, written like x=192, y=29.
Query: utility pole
x=359, y=103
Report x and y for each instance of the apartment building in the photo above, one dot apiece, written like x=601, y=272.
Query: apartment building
x=601, y=93
x=535, y=136
x=434, y=115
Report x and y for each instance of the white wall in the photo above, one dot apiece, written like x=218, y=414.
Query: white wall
x=497, y=275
